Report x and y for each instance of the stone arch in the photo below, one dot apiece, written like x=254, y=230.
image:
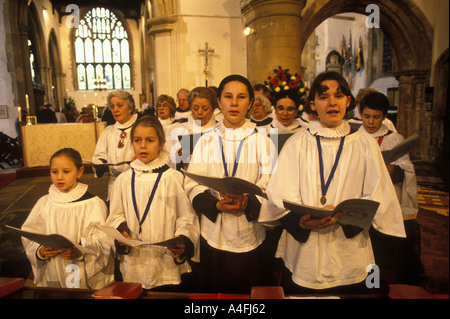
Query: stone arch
x=412, y=61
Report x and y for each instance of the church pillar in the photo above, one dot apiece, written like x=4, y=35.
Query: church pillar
x=161, y=30
x=23, y=67
x=412, y=117
x=274, y=38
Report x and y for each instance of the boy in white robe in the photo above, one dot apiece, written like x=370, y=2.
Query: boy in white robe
x=73, y=214
x=398, y=255
x=323, y=254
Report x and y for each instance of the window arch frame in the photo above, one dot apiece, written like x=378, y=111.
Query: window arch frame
x=120, y=17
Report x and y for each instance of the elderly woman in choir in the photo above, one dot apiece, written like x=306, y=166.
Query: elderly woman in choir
x=260, y=112
x=114, y=144
x=202, y=103
x=286, y=112
x=165, y=109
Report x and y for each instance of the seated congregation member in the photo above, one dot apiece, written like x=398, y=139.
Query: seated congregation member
x=357, y=121
x=321, y=167
x=114, y=145
x=183, y=109
x=260, y=112
x=71, y=211
x=165, y=109
x=202, y=103
x=286, y=112
x=231, y=238
x=149, y=204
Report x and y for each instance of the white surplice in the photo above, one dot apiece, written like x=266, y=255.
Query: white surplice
x=107, y=148
x=232, y=232
x=170, y=215
x=407, y=190
x=295, y=126
x=173, y=131
x=61, y=213
x=328, y=259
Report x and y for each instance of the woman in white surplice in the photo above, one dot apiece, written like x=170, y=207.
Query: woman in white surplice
x=114, y=145
x=319, y=254
x=202, y=103
x=69, y=210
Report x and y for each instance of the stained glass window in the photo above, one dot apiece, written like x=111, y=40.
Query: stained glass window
x=102, y=51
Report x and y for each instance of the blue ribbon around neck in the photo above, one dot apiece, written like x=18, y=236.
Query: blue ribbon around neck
x=238, y=154
x=324, y=185
x=147, y=208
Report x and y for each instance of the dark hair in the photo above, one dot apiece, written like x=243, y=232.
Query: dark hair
x=203, y=92
x=318, y=88
x=375, y=101
x=259, y=86
x=294, y=96
x=150, y=121
x=238, y=78
x=70, y=153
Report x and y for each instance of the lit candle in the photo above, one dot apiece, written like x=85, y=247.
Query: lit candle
x=28, y=105
x=20, y=115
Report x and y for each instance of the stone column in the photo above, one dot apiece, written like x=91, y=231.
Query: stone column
x=161, y=30
x=411, y=116
x=274, y=38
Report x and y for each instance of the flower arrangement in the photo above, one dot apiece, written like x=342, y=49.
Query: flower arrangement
x=284, y=83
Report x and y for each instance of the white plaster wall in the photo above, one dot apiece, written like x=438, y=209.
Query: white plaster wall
x=220, y=24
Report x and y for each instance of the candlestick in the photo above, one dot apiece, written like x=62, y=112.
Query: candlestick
x=28, y=105
x=20, y=115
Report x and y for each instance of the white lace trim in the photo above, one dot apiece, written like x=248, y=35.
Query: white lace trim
x=235, y=134
x=381, y=132
x=336, y=132
x=60, y=197
x=126, y=124
x=158, y=162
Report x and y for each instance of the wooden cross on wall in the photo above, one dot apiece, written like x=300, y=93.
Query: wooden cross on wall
x=206, y=51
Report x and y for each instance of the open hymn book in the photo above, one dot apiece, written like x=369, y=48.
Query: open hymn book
x=224, y=185
x=399, y=150
x=55, y=241
x=114, y=233
x=356, y=212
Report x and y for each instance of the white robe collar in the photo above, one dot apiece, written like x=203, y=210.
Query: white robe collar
x=158, y=162
x=195, y=127
x=383, y=131
x=127, y=124
x=60, y=197
x=336, y=132
x=235, y=134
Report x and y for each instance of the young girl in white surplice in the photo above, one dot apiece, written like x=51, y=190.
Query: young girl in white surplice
x=69, y=210
x=323, y=166
x=148, y=203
